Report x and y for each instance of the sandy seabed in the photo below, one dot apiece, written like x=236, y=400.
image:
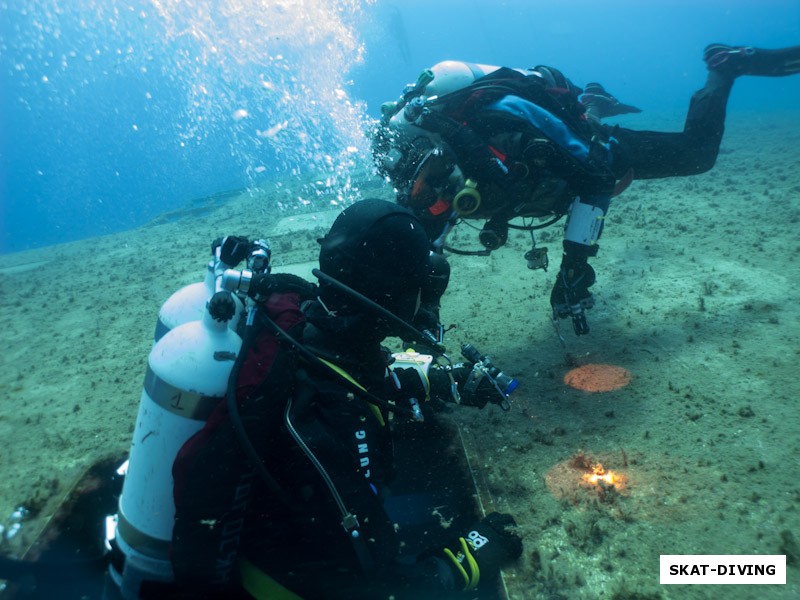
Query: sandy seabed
x=697, y=297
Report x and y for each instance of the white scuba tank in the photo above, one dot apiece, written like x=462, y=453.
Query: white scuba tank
x=445, y=78
x=189, y=303
x=187, y=376
x=442, y=79
x=452, y=75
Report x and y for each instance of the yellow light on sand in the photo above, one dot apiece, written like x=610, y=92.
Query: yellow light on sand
x=599, y=474
x=583, y=478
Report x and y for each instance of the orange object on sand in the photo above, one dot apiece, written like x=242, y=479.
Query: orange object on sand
x=598, y=378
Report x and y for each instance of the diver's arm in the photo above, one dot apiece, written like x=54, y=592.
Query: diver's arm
x=571, y=296
x=435, y=384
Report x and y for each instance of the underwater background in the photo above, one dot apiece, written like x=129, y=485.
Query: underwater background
x=134, y=133
x=113, y=112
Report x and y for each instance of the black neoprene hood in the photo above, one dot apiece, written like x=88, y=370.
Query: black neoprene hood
x=379, y=249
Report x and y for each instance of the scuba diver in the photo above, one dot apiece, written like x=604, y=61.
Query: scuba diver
x=472, y=141
x=287, y=454
x=298, y=509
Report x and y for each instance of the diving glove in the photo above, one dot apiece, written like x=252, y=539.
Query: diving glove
x=571, y=296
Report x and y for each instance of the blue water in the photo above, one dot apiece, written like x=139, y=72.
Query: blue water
x=113, y=112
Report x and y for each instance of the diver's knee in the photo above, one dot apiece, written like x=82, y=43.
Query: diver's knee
x=700, y=163
x=703, y=167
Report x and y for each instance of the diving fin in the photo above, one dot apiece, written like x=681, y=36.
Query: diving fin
x=600, y=104
x=747, y=60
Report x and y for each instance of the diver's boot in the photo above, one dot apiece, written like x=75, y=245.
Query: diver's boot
x=600, y=104
x=746, y=60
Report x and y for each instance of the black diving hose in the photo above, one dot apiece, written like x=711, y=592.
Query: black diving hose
x=235, y=417
x=311, y=358
x=414, y=333
x=316, y=361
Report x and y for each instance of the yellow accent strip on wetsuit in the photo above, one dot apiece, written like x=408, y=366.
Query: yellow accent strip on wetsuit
x=375, y=410
x=260, y=585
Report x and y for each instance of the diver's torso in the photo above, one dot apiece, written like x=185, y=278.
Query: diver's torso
x=355, y=450
x=537, y=184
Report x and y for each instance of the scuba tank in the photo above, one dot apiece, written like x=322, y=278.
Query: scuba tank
x=441, y=79
x=453, y=75
x=189, y=302
x=187, y=377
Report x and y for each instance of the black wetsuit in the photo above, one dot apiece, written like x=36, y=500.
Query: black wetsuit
x=656, y=155
x=306, y=548
x=542, y=174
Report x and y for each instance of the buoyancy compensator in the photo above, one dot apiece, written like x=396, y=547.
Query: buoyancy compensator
x=474, y=141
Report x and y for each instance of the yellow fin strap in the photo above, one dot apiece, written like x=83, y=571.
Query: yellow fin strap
x=472, y=578
x=457, y=563
x=473, y=565
x=375, y=410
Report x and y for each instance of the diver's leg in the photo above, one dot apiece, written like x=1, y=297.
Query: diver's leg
x=654, y=155
x=705, y=122
x=657, y=154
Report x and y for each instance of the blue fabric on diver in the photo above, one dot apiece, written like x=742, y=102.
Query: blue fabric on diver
x=550, y=125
